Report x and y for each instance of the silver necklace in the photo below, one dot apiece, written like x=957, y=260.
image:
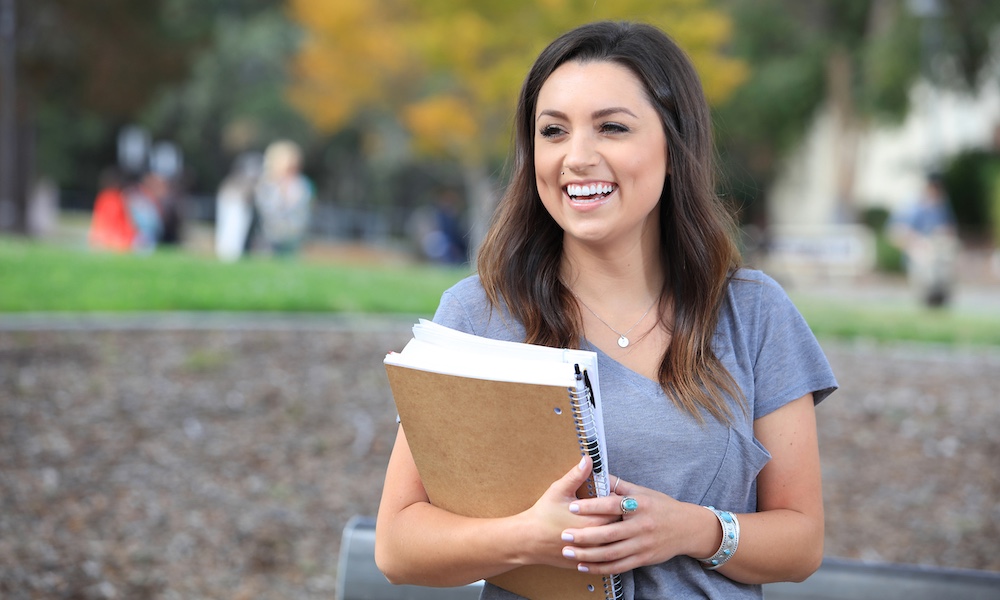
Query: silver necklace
x=623, y=340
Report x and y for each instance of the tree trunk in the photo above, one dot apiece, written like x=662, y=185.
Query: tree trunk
x=847, y=132
x=481, y=195
x=11, y=205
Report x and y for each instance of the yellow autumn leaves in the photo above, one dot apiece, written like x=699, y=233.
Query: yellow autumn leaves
x=448, y=71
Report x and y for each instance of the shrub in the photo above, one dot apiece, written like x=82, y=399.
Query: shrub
x=888, y=257
x=968, y=180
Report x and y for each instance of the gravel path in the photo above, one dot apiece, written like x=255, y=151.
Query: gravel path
x=223, y=463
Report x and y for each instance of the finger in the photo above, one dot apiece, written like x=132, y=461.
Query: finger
x=612, y=558
x=623, y=487
x=607, y=505
x=574, y=478
x=612, y=530
x=608, y=568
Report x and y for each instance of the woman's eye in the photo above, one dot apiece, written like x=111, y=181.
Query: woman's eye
x=550, y=131
x=614, y=128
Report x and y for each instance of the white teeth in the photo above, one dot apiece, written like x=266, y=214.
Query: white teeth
x=592, y=189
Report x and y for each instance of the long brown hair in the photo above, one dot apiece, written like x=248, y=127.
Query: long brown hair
x=519, y=261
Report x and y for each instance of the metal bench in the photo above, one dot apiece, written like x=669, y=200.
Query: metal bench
x=837, y=579
x=358, y=578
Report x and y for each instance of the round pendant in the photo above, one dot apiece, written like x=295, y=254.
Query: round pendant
x=623, y=341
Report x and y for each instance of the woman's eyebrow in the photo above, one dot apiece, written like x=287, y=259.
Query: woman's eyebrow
x=606, y=112
x=597, y=114
x=551, y=113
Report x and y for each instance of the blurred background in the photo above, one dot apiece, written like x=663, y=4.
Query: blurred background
x=829, y=115
x=217, y=216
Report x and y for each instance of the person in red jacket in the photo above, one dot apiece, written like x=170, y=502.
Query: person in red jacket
x=111, y=226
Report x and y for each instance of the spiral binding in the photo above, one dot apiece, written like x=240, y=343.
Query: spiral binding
x=581, y=401
x=586, y=435
x=613, y=589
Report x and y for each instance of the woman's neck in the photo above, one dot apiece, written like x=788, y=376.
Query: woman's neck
x=618, y=279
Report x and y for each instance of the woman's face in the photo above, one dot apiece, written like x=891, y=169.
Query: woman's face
x=600, y=153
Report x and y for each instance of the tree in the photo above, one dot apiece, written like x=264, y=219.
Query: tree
x=79, y=67
x=447, y=72
x=860, y=58
x=232, y=98
x=189, y=70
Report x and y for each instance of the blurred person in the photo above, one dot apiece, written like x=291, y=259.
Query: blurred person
x=111, y=226
x=144, y=199
x=437, y=230
x=171, y=208
x=283, y=199
x=234, y=207
x=43, y=208
x=610, y=237
x=924, y=230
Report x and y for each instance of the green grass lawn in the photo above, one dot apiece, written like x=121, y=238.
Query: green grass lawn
x=890, y=320
x=56, y=278
x=42, y=278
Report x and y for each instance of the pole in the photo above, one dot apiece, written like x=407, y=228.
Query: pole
x=8, y=115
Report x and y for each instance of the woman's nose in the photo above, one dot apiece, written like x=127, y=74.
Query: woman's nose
x=581, y=153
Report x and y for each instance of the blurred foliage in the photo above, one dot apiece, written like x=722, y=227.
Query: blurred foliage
x=994, y=179
x=875, y=218
x=969, y=28
x=231, y=100
x=83, y=67
x=205, y=74
x=84, y=51
x=888, y=256
x=393, y=97
x=970, y=180
x=790, y=46
x=448, y=71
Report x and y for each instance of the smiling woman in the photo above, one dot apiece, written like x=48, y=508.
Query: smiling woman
x=600, y=157
x=610, y=238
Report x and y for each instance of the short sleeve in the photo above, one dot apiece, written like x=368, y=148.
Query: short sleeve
x=451, y=313
x=789, y=360
x=465, y=307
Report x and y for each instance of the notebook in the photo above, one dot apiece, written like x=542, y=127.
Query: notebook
x=491, y=424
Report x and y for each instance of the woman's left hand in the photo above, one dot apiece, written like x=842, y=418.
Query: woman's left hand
x=659, y=529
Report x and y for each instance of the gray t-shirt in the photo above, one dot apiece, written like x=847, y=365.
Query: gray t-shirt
x=774, y=357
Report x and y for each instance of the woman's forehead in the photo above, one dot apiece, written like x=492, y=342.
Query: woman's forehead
x=591, y=85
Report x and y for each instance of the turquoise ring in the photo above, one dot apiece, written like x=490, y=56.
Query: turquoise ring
x=629, y=504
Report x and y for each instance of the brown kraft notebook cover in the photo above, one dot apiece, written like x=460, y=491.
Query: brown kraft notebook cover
x=490, y=449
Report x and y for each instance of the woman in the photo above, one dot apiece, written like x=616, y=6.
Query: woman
x=283, y=199
x=610, y=238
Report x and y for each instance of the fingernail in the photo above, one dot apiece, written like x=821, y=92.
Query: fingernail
x=582, y=569
x=583, y=463
x=567, y=537
x=574, y=508
x=568, y=553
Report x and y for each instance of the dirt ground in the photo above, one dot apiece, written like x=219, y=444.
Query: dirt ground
x=224, y=463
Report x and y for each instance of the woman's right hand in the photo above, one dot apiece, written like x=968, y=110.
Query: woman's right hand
x=550, y=516
x=420, y=544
